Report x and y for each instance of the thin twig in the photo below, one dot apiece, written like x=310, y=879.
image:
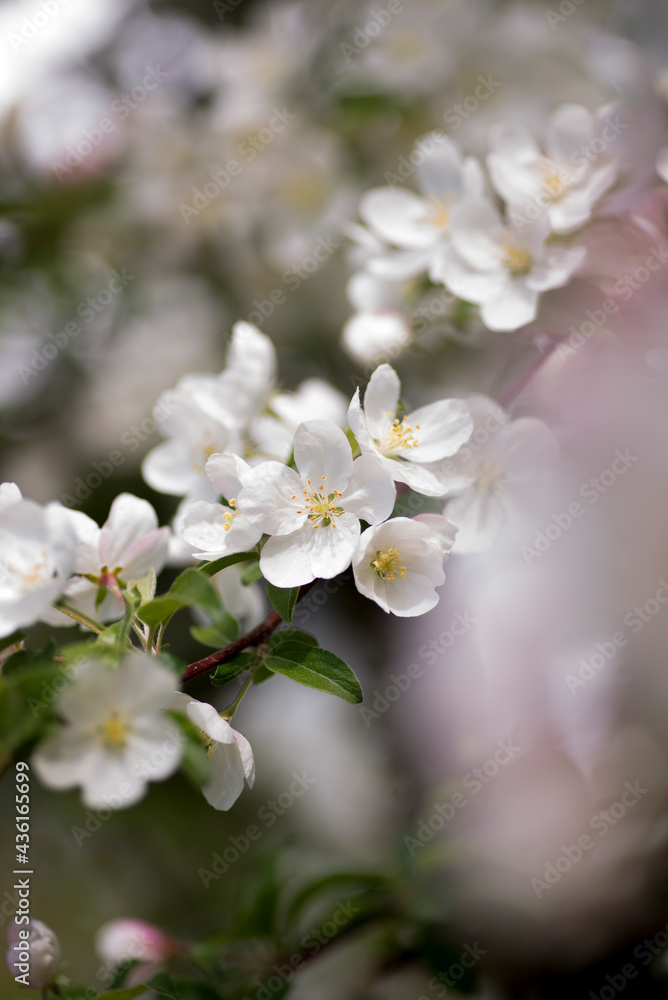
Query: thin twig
x=252, y=638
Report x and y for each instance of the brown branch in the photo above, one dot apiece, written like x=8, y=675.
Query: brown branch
x=252, y=638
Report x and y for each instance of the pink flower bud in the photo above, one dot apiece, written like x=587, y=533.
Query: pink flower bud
x=124, y=940
x=33, y=955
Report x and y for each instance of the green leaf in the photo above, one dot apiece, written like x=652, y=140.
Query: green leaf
x=251, y=574
x=115, y=638
x=283, y=600
x=128, y=994
x=316, y=668
x=262, y=674
x=325, y=884
x=192, y=587
x=146, y=585
x=227, y=671
x=164, y=986
x=410, y=504
x=211, y=568
x=291, y=634
x=222, y=633
x=195, y=588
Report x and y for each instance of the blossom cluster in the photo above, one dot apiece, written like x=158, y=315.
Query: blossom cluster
x=495, y=239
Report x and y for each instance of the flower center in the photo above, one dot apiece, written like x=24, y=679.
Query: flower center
x=29, y=570
x=320, y=507
x=491, y=475
x=516, y=256
x=113, y=732
x=400, y=436
x=439, y=216
x=208, y=742
x=387, y=564
x=202, y=451
x=555, y=179
x=229, y=514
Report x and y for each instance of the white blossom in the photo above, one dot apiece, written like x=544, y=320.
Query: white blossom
x=125, y=548
x=37, y=550
x=577, y=168
x=488, y=480
x=313, y=515
x=416, y=226
x=209, y=414
x=230, y=753
x=399, y=564
x=43, y=949
x=504, y=268
x=410, y=445
x=116, y=736
x=212, y=530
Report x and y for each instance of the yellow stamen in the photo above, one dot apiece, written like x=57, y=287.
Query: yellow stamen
x=387, y=564
x=113, y=732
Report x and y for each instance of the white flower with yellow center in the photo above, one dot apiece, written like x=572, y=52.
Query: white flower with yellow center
x=212, y=530
x=37, y=549
x=408, y=446
x=413, y=225
x=399, y=564
x=230, y=753
x=491, y=480
x=579, y=165
x=313, y=515
x=116, y=736
x=501, y=268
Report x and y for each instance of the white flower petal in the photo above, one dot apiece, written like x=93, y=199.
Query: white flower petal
x=399, y=217
x=440, y=428
x=371, y=493
x=516, y=306
x=323, y=454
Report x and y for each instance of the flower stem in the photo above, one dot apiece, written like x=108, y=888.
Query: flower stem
x=229, y=712
x=252, y=638
x=79, y=617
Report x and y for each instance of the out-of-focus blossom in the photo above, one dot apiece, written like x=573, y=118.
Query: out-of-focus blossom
x=116, y=738
x=579, y=165
x=417, y=225
x=504, y=268
x=33, y=955
x=488, y=474
x=37, y=552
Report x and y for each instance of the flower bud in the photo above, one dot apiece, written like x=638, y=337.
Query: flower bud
x=127, y=940
x=33, y=955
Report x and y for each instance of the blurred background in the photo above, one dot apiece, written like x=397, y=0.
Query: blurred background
x=168, y=168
